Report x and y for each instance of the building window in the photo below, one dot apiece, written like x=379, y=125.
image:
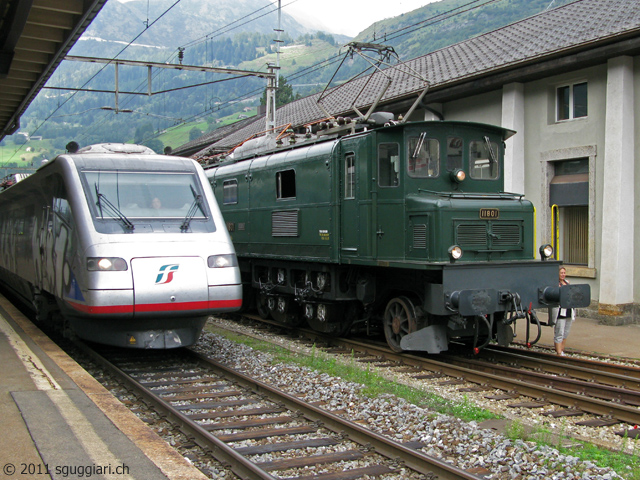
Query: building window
x=571, y=101
x=388, y=164
x=350, y=176
x=230, y=192
x=285, y=184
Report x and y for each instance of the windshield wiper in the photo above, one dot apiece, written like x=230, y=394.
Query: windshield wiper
x=491, y=154
x=416, y=152
x=197, y=201
x=104, y=203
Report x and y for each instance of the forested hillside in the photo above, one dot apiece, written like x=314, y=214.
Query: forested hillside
x=221, y=33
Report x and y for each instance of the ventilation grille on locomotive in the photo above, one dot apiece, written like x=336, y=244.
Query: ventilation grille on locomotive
x=284, y=223
x=489, y=234
x=471, y=234
x=420, y=236
x=506, y=235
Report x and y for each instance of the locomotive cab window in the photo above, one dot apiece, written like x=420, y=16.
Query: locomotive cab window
x=388, y=164
x=483, y=159
x=286, y=184
x=230, y=192
x=423, y=156
x=61, y=206
x=117, y=194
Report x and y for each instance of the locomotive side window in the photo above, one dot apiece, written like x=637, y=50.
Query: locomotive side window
x=388, y=164
x=424, y=156
x=350, y=176
x=454, y=153
x=230, y=192
x=286, y=184
x=483, y=159
x=61, y=205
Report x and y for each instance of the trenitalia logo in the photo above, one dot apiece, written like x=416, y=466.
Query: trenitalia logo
x=165, y=275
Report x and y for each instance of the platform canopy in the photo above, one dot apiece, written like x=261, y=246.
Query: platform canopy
x=35, y=35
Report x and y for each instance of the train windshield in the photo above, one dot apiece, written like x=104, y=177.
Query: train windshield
x=146, y=195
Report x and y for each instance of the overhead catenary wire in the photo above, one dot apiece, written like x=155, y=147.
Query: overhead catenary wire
x=179, y=50
x=301, y=73
x=99, y=71
x=469, y=6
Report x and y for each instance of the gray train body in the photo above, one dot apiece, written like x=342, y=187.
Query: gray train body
x=127, y=246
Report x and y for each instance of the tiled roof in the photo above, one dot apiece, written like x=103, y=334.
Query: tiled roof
x=578, y=25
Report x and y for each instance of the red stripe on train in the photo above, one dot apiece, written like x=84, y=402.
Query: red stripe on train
x=156, y=307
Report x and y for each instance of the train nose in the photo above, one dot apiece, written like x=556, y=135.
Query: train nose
x=169, y=284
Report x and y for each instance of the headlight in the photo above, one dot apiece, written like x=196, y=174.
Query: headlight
x=457, y=175
x=455, y=252
x=546, y=251
x=222, y=261
x=105, y=264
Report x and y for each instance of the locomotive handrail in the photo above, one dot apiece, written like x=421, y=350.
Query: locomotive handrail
x=555, y=230
x=473, y=194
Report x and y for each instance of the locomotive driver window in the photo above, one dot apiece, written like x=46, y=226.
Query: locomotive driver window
x=483, y=159
x=388, y=164
x=143, y=194
x=423, y=156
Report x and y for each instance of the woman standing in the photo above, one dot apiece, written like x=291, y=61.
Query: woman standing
x=563, y=318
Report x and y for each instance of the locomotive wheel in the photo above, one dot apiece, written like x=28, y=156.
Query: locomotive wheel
x=261, y=306
x=399, y=320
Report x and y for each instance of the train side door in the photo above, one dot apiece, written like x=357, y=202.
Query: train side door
x=349, y=217
x=388, y=201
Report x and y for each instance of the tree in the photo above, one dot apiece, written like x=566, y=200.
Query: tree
x=142, y=131
x=284, y=94
x=194, y=133
x=155, y=145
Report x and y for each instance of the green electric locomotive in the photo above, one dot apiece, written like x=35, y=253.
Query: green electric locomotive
x=401, y=227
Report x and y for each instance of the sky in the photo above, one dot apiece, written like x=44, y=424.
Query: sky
x=354, y=15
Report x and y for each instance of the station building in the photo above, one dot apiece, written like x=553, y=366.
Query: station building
x=568, y=81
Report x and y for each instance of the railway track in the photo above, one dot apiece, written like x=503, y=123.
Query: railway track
x=259, y=431
x=574, y=385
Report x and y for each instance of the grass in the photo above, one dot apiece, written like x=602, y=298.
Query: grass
x=624, y=464
x=628, y=466
x=373, y=384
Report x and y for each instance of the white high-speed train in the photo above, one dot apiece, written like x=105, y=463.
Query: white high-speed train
x=126, y=246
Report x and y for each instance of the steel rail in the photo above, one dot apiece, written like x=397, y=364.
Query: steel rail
x=219, y=450
x=564, y=382
x=413, y=459
x=599, y=369
x=548, y=393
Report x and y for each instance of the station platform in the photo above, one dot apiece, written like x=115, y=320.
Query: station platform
x=57, y=422
x=587, y=335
